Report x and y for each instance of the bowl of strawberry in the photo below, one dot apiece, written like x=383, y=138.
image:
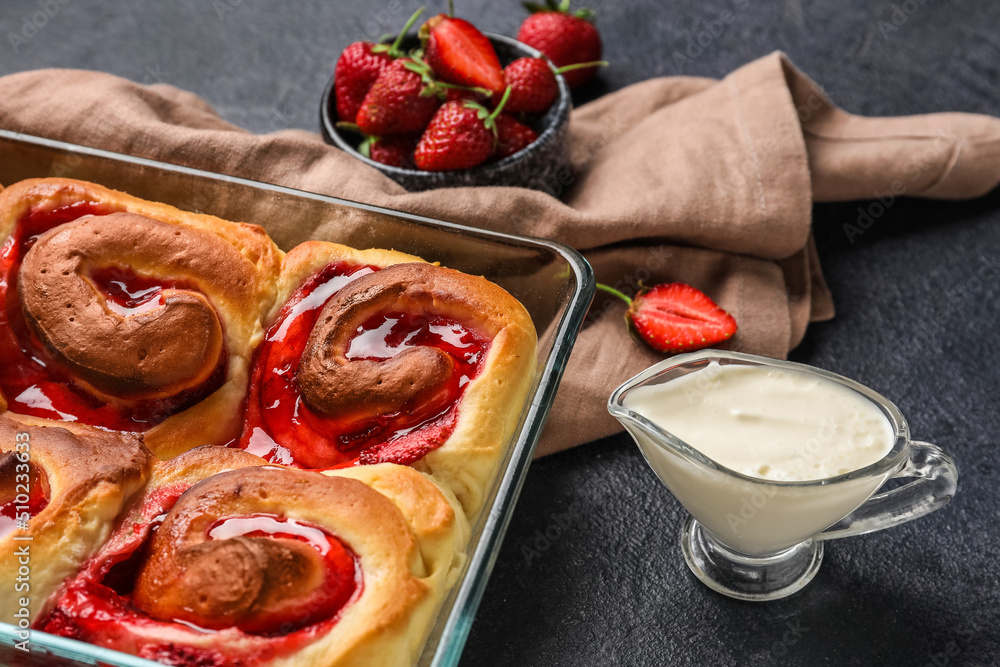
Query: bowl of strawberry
x=450, y=107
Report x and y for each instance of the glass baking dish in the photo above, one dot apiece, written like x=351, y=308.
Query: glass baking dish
x=553, y=281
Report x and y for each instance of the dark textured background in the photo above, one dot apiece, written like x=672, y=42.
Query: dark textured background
x=913, y=321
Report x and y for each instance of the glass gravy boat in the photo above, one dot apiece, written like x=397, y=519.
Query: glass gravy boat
x=758, y=539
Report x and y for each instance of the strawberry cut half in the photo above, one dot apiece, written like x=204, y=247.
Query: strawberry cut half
x=676, y=317
x=459, y=53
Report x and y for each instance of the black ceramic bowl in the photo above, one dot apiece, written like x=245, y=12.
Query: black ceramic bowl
x=537, y=166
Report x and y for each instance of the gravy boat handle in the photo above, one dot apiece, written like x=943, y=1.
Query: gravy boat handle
x=935, y=479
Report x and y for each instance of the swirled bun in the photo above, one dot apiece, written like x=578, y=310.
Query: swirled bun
x=75, y=485
x=456, y=398
x=150, y=312
x=328, y=423
x=273, y=566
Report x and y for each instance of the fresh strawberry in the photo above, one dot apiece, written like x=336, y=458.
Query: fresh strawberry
x=402, y=100
x=357, y=69
x=359, y=66
x=395, y=151
x=533, y=85
x=567, y=39
x=456, y=138
x=676, y=318
x=475, y=94
x=459, y=53
x=461, y=135
x=512, y=136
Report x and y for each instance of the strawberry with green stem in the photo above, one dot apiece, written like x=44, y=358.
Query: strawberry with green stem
x=359, y=66
x=533, y=83
x=512, y=136
x=403, y=99
x=462, y=135
x=567, y=38
x=395, y=150
x=676, y=317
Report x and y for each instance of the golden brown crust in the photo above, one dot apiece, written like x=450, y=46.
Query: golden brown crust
x=389, y=629
x=90, y=474
x=407, y=534
x=307, y=258
x=197, y=464
x=249, y=582
x=408, y=526
x=153, y=354
x=336, y=386
x=168, y=479
x=491, y=406
x=490, y=410
x=240, y=289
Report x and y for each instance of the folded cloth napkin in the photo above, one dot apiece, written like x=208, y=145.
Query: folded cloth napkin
x=675, y=179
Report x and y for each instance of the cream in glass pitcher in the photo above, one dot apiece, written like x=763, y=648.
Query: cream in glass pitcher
x=770, y=458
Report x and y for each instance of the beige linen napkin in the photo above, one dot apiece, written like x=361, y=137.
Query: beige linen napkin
x=675, y=179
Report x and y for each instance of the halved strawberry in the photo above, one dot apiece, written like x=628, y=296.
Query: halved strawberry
x=459, y=53
x=676, y=317
x=359, y=66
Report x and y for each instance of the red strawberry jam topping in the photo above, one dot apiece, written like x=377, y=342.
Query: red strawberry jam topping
x=99, y=607
x=127, y=293
x=23, y=493
x=340, y=584
x=32, y=379
x=281, y=428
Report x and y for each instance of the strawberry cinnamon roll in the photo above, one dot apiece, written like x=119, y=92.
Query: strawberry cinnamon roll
x=375, y=356
x=60, y=494
x=269, y=566
x=127, y=314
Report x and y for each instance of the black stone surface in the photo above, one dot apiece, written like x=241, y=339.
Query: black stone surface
x=914, y=322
